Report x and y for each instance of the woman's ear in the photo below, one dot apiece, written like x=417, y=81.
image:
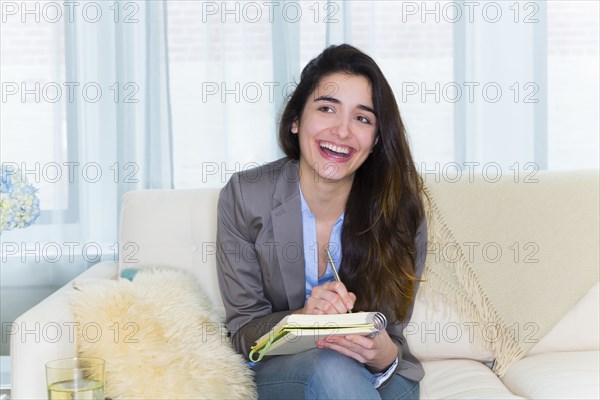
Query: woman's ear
x=294, y=128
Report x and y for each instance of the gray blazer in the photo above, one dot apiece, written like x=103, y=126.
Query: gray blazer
x=260, y=257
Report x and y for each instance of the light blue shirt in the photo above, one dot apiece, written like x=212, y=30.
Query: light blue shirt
x=311, y=254
x=311, y=263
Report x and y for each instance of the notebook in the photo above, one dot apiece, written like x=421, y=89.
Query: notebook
x=299, y=332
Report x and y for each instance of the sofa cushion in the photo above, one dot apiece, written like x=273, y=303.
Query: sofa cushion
x=561, y=375
x=461, y=379
x=578, y=330
x=436, y=332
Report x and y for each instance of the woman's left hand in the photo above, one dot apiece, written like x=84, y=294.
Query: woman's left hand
x=377, y=353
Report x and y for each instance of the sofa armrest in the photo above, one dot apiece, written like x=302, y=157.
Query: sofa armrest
x=44, y=333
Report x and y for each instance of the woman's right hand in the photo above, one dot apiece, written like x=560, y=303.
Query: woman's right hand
x=330, y=298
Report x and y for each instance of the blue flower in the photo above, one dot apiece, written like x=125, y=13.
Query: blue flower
x=19, y=204
x=5, y=185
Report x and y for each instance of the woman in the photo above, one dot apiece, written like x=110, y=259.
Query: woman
x=348, y=182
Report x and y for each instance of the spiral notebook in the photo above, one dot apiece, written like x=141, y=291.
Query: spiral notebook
x=299, y=332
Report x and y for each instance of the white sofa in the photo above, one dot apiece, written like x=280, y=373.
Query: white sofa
x=177, y=228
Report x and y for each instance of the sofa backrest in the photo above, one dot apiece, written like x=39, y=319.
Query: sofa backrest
x=175, y=229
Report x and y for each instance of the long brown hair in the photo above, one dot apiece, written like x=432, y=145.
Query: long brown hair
x=384, y=208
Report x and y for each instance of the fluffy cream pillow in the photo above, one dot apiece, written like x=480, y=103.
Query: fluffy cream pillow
x=160, y=338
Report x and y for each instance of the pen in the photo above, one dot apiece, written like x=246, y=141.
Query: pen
x=333, y=269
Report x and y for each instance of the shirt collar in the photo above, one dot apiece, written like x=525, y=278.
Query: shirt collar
x=306, y=209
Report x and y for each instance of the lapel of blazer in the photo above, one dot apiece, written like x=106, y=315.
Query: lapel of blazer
x=286, y=217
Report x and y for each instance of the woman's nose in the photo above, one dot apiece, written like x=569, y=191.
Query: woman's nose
x=342, y=128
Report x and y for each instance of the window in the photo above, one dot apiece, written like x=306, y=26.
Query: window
x=34, y=90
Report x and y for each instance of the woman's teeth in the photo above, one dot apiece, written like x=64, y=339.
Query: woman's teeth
x=334, y=148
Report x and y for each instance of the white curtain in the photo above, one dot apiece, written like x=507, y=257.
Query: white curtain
x=501, y=58
x=233, y=64
x=85, y=148
x=474, y=80
x=128, y=131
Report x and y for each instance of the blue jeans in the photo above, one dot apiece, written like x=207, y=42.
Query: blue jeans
x=325, y=374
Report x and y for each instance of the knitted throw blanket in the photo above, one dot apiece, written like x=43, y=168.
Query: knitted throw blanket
x=512, y=258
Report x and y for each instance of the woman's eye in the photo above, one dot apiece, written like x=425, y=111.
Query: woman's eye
x=326, y=109
x=363, y=119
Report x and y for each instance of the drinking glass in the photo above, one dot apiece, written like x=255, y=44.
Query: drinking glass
x=75, y=379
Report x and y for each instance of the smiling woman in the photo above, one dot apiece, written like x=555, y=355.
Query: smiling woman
x=348, y=184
